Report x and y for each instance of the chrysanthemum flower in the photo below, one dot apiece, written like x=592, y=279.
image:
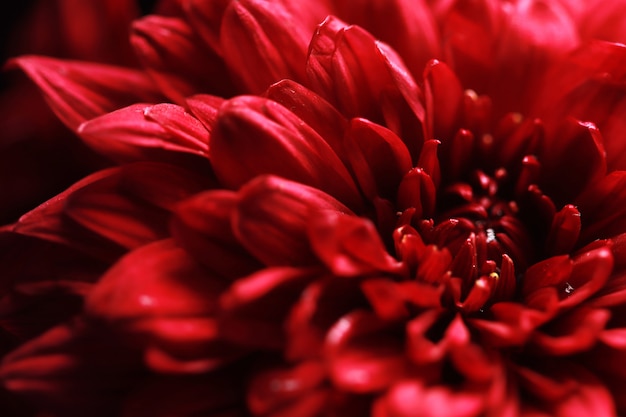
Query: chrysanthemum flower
x=399, y=208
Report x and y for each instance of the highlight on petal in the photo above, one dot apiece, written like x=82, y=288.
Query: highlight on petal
x=146, y=132
x=202, y=225
x=79, y=91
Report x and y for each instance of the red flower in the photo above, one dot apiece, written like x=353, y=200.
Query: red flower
x=426, y=227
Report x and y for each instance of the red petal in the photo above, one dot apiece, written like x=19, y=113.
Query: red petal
x=171, y=283
x=178, y=61
x=202, y=225
x=400, y=23
x=348, y=245
x=591, y=270
x=257, y=34
x=80, y=91
x=378, y=158
x=273, y=216
x=314, y=111
x=575, y=332
x=417, y=191
x=578, y=149
x=205, y=108
x=254, y=136
x=551, y=272
x=144, y=132
x=364, y=355
x=602, y=207
x=444, y=99
x=274, y=389
x=564, y=231
x=364, y=78
x=253, y=309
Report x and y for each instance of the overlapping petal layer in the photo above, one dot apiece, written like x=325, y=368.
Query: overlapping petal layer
x=421, y=217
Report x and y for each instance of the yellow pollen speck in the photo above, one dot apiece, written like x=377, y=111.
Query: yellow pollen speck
x=494, y=275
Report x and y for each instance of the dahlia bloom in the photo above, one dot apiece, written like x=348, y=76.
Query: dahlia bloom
x=387, y=208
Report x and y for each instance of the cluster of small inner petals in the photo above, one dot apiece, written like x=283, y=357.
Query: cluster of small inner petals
x=390, y=209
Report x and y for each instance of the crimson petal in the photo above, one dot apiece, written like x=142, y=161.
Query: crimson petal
x=273, y=216
x=145, y=132
x=79, y=91
x=254, y=136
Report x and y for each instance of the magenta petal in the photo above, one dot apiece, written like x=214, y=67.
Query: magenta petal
x=348, y=245
x=79, y=91
x=272, y=219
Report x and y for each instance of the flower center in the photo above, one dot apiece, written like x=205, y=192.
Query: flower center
x=478, y=223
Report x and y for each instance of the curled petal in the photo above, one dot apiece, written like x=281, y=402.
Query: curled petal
x=444, y=98
x=417, y=191
x=576, y=332
x=127, y=206
x=552, y=272
x=591, y=270
x=254, y=136
x=284, y=388
x=205, y=108
x=348, y=245
x=564, y=231
x=364, y=354
x=437, y=401
x=400, y=23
